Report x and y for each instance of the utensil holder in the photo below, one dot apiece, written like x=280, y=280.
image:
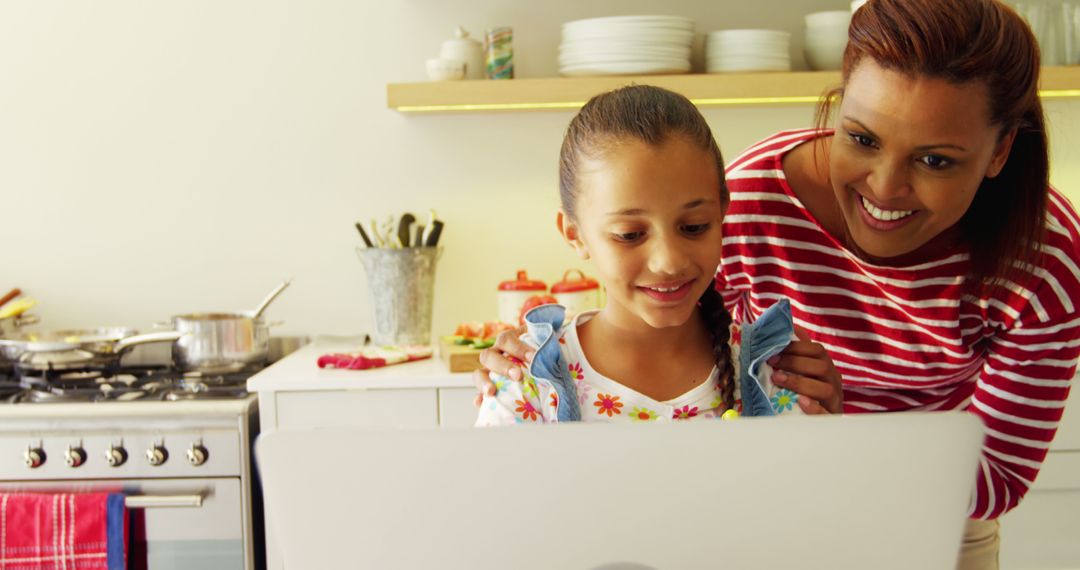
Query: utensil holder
x=402, y=284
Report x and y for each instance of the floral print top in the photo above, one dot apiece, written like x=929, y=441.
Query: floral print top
x=603, y=399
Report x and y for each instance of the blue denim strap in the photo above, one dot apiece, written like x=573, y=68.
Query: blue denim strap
x=761, y=340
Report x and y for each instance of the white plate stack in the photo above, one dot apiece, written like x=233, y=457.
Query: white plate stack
x=747, y=50
x=626, y=45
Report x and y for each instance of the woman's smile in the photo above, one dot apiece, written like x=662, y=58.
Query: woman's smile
x=882, y=218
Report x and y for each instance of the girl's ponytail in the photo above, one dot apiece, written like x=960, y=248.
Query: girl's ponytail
x=718, y=321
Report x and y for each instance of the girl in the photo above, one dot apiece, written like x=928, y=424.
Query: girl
x=643, y=194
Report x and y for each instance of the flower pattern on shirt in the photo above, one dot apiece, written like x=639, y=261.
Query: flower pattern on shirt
x=576, y=372
x=608, y=404
x=641, y=414
x=554, y=401
x=783, y=400
x=526, y=409
x=685, y=412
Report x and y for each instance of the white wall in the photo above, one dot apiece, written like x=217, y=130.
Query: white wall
x=161, y=157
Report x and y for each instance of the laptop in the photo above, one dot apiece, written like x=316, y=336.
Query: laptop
x=871, y=491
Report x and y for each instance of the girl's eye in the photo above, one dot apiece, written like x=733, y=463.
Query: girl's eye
x=695, y=229
x=935, y=161
x=861, y=140
x=627, y=237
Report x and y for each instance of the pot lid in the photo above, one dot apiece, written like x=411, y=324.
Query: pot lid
x=568, y=285
x=523, y=283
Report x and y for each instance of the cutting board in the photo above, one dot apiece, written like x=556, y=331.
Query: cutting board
x=459, y=358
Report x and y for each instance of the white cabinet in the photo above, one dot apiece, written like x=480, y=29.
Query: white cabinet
x=456, y=407
x=1044, y=531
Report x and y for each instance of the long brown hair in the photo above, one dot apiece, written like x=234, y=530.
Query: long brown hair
x=962, y=41
x=651, y=115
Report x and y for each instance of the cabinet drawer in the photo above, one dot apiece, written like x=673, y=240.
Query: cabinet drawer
x=1041, y=532
x=357, y=408
x=456, y=407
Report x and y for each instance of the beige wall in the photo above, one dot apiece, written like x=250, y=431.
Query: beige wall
x=163, y=157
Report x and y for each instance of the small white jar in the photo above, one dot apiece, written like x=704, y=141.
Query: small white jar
x=466, y=50
x=513, y=294
x=579, y=294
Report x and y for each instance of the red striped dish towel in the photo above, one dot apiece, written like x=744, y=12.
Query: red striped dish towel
x=63, y=531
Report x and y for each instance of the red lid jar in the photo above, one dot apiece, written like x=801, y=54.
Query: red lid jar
x=578, y=294
x=513, y=294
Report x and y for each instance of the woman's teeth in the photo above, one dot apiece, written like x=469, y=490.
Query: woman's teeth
x=665, y=289
x=884, y=215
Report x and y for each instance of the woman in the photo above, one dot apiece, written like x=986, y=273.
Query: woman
x=919, y=241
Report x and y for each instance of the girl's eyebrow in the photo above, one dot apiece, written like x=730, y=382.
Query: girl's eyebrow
x=638, y=211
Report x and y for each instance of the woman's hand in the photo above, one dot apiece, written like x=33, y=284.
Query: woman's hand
x=806, y=369
x=505, y=358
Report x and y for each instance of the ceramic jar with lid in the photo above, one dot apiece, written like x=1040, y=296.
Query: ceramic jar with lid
x=577, y=293
x=466, y=50
x=513, y=294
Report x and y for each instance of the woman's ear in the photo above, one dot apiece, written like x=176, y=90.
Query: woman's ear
x=1001, y=154
x=572, y=234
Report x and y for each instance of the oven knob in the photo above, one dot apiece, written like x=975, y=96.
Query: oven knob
x=75, y=456
x=115, y=456
x=157, y=455
x=34, y=457
x=197, y=455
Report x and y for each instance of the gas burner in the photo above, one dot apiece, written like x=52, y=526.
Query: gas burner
x=127, y=384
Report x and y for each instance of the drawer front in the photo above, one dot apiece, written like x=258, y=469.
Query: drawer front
x=358, y=408
x=1068, y=434
x=456, y=407
x=1042, y=532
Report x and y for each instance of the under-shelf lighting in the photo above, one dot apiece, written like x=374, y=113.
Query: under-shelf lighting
x=571, y=105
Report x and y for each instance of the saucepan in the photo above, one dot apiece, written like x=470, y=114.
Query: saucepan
x=223, y=342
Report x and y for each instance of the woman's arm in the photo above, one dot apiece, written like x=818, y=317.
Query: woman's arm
x=1020, y=395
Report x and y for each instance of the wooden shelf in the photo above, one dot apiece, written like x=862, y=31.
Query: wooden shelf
x=569, y=93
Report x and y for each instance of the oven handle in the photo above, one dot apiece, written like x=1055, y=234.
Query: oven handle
x=162, y=501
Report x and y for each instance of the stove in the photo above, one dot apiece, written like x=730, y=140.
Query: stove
x=177, y=444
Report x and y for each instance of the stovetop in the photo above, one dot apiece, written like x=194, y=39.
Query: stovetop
x=125, y=384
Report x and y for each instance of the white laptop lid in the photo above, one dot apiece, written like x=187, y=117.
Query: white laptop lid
x=873, y=491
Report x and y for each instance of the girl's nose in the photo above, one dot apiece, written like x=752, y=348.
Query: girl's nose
x=667, y=256
x=889, y=180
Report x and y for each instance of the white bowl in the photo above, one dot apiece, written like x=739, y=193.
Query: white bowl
x=610, y=47
x=747, y=66
x=676, y=22
x=626, y=68
x=439, y=69
x=750, y=35
x=824, y=55
x=684, y=37
x=828, y=19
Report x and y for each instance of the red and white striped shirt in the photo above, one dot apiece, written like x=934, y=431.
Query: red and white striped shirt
x=912, y=338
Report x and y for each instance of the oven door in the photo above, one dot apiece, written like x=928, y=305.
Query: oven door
x=176, y=524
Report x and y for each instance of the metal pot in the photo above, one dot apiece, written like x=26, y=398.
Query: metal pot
x=220, y=343
x=71, y=349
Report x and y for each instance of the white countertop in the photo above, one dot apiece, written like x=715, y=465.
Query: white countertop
x=300, y=371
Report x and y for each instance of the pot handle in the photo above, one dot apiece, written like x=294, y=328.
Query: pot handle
x=164, y=336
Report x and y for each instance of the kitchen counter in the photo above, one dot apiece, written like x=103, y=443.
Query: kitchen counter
x=299, y=371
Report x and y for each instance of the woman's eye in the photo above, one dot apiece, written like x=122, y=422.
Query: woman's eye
x=936, y=162
x=695, y=229
x=861, y=140
x=627, y=237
